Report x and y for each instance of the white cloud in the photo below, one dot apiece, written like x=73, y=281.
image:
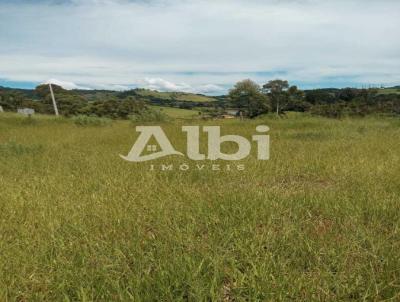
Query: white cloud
x=210, y=89
x=163, y=85
x=195, y=44
x=158, y=84
x=64, y=84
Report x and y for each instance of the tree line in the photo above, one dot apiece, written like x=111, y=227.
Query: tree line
x=71, y=103
x=276, y=96
x=279, y=97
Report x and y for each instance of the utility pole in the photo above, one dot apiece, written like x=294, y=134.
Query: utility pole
x=54, y=100
x=277, y=105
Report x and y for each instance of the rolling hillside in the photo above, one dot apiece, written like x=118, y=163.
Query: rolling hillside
x=169, y=96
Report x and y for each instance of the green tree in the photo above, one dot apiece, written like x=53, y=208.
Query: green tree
x=68, y=102
x=247, y=95
x=296, y=100
x=277, y=89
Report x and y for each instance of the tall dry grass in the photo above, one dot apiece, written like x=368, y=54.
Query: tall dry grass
x=320, y=221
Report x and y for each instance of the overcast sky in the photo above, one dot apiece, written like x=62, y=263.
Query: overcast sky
x=201, y=46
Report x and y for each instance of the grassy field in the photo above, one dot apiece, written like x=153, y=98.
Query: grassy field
x=177, y=112
x=389, y=91
x=319, y=221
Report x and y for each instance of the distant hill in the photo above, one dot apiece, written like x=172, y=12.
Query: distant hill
x=174, y=99
x=168, y=96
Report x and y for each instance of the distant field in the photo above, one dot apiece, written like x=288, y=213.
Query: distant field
x=389, y=91
x=319, y=221
x=177, y=112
